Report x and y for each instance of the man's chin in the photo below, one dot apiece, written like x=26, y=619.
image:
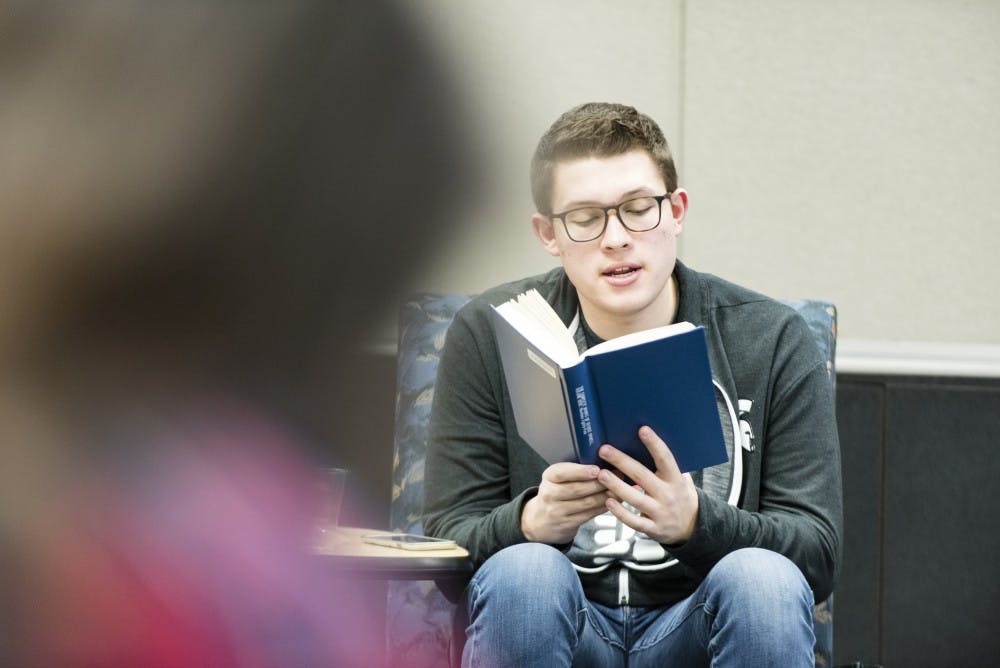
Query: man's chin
x=624, y=306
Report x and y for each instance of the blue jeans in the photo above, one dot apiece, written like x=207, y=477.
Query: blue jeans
x=526, y=607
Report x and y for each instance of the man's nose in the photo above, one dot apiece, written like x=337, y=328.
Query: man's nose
x=616, y=235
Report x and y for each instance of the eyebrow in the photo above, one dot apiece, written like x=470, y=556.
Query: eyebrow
x=635, y=192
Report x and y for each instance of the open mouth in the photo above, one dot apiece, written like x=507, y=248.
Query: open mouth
x=621, y=272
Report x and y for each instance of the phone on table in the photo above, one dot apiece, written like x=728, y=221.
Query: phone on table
x=408, y=541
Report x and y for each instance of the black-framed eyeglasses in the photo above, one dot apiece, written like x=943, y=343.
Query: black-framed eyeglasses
x=639, y=214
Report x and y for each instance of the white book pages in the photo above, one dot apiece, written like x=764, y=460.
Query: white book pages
x=635, y=338
x=535, y=318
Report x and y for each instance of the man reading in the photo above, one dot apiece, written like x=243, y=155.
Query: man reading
x=574, y=566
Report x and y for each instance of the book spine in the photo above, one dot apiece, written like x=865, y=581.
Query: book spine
x=582, y=408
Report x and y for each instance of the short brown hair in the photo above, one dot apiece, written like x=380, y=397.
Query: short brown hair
x=597, y=129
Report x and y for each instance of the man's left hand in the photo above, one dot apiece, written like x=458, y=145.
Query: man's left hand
x=668, y=500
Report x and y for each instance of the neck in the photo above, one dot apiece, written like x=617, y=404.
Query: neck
x=661, y=312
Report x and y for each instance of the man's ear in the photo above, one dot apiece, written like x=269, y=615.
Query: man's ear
x=678, y=208
x=545, y=230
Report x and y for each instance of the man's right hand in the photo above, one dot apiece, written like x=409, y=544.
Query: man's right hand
x=568, y=496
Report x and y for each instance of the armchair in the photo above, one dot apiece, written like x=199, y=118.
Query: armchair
x=419, y=617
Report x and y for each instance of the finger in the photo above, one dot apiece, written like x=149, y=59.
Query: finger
x=621, y=489
x=666, y=465
x=564, y=472
x=627, y=465
x=638, y=522
x=585, y=508
x=594, y=505
x=590, y=514
x=577, y=490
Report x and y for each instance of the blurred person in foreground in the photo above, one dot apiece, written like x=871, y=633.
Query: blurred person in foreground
x=203, y=208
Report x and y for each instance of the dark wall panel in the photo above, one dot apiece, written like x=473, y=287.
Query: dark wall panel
x=942, y=526
x=857, y=598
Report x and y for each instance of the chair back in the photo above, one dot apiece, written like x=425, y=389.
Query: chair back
x=419, y=617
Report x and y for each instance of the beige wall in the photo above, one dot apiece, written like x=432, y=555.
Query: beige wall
x=848, y=151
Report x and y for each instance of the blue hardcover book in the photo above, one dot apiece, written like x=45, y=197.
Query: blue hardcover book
x=567, y=405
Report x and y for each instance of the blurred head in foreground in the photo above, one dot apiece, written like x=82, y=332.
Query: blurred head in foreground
x=203, y=208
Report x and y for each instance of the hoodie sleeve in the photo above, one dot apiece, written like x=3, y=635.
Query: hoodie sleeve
x=799, y=511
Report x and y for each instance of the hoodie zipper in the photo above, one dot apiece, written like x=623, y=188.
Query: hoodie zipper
x=623, y=586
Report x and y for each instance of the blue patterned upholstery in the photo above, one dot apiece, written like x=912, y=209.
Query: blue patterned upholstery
x=419, y=617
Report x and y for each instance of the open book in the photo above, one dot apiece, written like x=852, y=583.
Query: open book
x=567, y=405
